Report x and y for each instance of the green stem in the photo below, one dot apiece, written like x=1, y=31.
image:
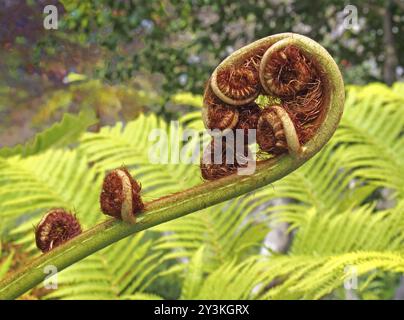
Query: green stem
x=197, y=198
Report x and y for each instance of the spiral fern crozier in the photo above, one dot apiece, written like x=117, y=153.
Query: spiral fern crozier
x=289, y=69
x=304, y=79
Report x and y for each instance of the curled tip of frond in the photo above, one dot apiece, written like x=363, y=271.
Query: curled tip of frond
x=120, y=195
x=285, y=70
x=56, y=227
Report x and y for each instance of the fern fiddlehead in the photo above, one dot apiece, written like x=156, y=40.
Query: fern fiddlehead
x=313, y=111
x=55, y=228
x=120, y=196
x=283, y=69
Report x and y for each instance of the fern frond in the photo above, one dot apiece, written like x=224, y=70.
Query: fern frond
x=58, y=135
x=5, y=263
x=372, y=127
x=187, y=98
x=32, y=185
x=230, y=281
x=227, y=231
x=141, y=296
x=325, y=244
x=320, y=183
x=194, y=275
x=118, y=145
x=361, y=229
x=314, y=276
x=192, y=120
x=124, y=270
x=130, y=146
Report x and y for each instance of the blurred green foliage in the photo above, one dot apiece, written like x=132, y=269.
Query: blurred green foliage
x=184, y=40
x=333, y=206
x=141, y=63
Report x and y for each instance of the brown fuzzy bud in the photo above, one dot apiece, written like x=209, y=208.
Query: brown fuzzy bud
x=236, y=85
x=286, y=72
x=276, y=132
x=120, y=196
x=270, y=134
x=55, y=228
x=216, y=114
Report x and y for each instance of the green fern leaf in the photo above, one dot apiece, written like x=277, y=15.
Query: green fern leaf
x=58, y=135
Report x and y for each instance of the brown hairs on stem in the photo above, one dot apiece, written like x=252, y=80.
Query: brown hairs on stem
x=223, y=150
x=307, y=105
x=254, y=60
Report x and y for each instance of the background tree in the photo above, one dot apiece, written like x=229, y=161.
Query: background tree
x=183, y=40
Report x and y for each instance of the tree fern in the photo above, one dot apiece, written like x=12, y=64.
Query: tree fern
x=216, y=253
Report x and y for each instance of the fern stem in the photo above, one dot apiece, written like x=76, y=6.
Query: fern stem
x=197, y=198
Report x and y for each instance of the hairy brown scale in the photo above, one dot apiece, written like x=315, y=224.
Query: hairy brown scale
x=238, y=83
x=254, y=60
x=221, y=117
x=297, y=81
x=307, y=106
x=55, y=228
x=248, y=119
x=112, y=195
x=213, y=171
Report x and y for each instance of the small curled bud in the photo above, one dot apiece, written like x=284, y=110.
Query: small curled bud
x=285, y=72
x=216, y=114
x=56, y=227
x=276, y=132
x=120, y=196
x=236, y=85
